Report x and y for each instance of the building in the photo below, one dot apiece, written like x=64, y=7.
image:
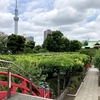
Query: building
x=30, y=38
x=2, y=34
x=16, y=18
x=93, y=44
x=48, y=31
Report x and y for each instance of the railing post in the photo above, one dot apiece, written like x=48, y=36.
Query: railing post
x=13, y=89
x=9, y=83
x=52, y=95
x=41, y=89
x=24, y=85
x=30, y=86
x=47, y=92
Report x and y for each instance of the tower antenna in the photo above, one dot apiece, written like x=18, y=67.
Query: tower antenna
x=16, y=18
x=16, y=5
x=88, y=38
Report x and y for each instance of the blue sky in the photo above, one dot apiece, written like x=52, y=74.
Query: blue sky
x=46, y=5
x=93, y=17
x=76, y=19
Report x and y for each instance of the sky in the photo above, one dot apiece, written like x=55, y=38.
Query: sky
x=76, y=19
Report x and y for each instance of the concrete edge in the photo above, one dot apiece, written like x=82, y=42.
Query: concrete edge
x=85, y=77
x=78, y=88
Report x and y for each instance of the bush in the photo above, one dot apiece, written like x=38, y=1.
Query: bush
x=73, y=86
x=90, y=52
x=74, y=81
x=96, y=59
x=28, y=50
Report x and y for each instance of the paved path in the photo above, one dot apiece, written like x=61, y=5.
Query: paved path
x=89, y=89
x=19, y=96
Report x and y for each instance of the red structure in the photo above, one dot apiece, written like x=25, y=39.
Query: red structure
x=25, y=86
x=86, y=66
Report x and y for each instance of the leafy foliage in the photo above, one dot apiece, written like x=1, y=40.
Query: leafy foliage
x=64, y=61
x=85, y=43
x=45, y=66
x=15, y=43
x=75, y=45
x=90, y=52
x=30, y=44
x=55, y=42
x=3, y=42
x=97, y=59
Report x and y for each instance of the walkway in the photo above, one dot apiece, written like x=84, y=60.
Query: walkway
x=89, y=89
x=19, y=96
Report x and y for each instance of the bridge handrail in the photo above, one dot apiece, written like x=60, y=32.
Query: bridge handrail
x=24, y=86
x=42, y=92
x=10, y=62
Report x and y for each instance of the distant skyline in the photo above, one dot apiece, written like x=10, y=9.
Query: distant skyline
x=76, y=19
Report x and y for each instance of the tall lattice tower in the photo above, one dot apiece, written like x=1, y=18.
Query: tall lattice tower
x=16, y=18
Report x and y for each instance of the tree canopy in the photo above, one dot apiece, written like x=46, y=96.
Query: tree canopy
x=75, y=45
x=15, y=43
x=56, y=42
x=85, y=43
x=30, y=44
x=3, y=42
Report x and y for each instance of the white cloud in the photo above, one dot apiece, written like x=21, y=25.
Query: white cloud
x=69, y=16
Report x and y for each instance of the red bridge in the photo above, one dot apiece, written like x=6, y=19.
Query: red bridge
x=24, y=85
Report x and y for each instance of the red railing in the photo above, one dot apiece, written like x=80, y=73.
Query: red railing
x=25, y=85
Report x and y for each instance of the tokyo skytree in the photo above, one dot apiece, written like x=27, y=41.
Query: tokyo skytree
x=16, y=18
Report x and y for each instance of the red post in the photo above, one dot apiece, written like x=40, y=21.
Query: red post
x=24, y=86
x=13, y=89
x=47, y=92
x=41, y=89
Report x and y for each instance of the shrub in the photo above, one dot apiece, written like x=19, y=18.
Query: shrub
x=74, y=81
x=90, y=52
x=96, y=59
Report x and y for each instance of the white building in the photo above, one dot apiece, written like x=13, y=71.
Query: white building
x=2, y=34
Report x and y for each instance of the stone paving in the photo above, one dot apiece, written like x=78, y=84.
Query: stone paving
x=90, y=89
x=19, y=96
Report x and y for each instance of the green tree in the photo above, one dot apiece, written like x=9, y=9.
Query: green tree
x=85, y=43
x=15, y=43
x=75, y=45
x=28, y=50
x=37, y=47
x=65, y=44
x=3, y=42
x=56, y=42
x=49, y=43
x=30, y=44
